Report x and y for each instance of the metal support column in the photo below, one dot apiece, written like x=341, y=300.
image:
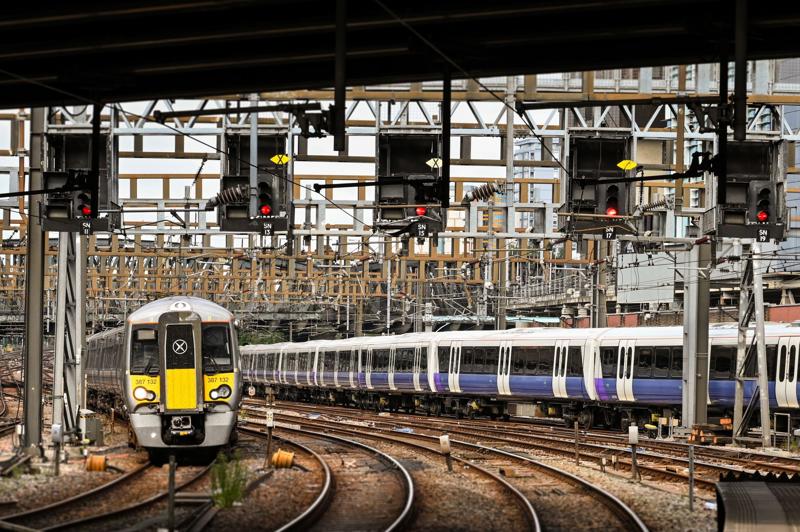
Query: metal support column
x=340, y=76
x=599, y=318
x=696, y=294
x=34, y=290
x=761, y=347
x=253, y=155
x=745, y=312
x=740, y=81
x=508, y=193
x=69, y=339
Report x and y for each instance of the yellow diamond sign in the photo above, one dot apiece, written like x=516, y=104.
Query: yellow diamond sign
x=627, y=164
x=434, y=163
x=281, y=158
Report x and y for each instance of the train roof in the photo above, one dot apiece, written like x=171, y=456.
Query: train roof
x=207, y=310
x=547, y=334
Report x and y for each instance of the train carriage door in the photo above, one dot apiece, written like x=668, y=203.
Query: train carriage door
x=416, y=368
x=786, y=372
x=503, y=369
x=454, y=368
x=368, y=368
x=390, y=369
x=181, y=382
x=560, y=368
x=625, y=370
x=352, y=367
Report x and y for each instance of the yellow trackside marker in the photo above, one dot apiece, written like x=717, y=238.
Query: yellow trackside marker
x=280, y=158
x=434, y=163
x=627, y=164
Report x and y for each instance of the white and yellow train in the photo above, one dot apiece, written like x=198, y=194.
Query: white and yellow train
x=174, y=366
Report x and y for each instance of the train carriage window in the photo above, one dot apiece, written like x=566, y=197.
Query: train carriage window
x=468, y=359
x=423, y=359
x=574, y=363
x=608, y=359
x=380, y=360
x=644, y=367
x=792, y=362
x=546, y=357
x=781, y=364
x=517, y=362
x=479, y=361
x=661, y=368
x=772, y=360
x=144, y=352
x=444, y=358
x=723, y=359
x=408, y=359
x=492, y=358
x=217, y=349
x=629, y=370
x=676, y=366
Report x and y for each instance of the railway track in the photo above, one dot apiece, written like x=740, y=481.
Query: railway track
x=555, y=498
x=100, y=508
x=349, y=481
x=658, y=458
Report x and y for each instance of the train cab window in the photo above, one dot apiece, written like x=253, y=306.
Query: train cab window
x=217, y=350
x=608, y=359
x=661, y=366
x=144, y=352
x=676, y=366
x=575, y=364
x=723, y=359
x=645, y=362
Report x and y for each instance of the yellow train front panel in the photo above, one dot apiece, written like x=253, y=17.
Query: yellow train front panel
x=181, y=389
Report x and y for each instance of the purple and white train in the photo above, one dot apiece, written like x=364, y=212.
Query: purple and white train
x=596, y=376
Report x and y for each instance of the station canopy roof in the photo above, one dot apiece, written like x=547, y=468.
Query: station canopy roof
x=137, y=49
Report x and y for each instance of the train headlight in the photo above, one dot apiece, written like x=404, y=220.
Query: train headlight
x=140, y=393
x=223, y=392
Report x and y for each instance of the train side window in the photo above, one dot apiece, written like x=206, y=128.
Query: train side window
x=144, y=352
x=492, y=358
x=575, y=364
x=517, y=362
x=423, y=359
x=772, y=361
x=467, y=359
x=792, y=361
x=545, y=366
x=479, y=360
x=645, y=366
x=444, y=358
x=722, y=360
x=676, y=366
x=608, y=359
x=661, y=369
x=781, y=364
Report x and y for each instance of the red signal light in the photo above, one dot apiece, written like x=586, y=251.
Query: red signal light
x=762, y=216
x=86, y=210
x=421, y=211
x=611, y=211
x=265, y=210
